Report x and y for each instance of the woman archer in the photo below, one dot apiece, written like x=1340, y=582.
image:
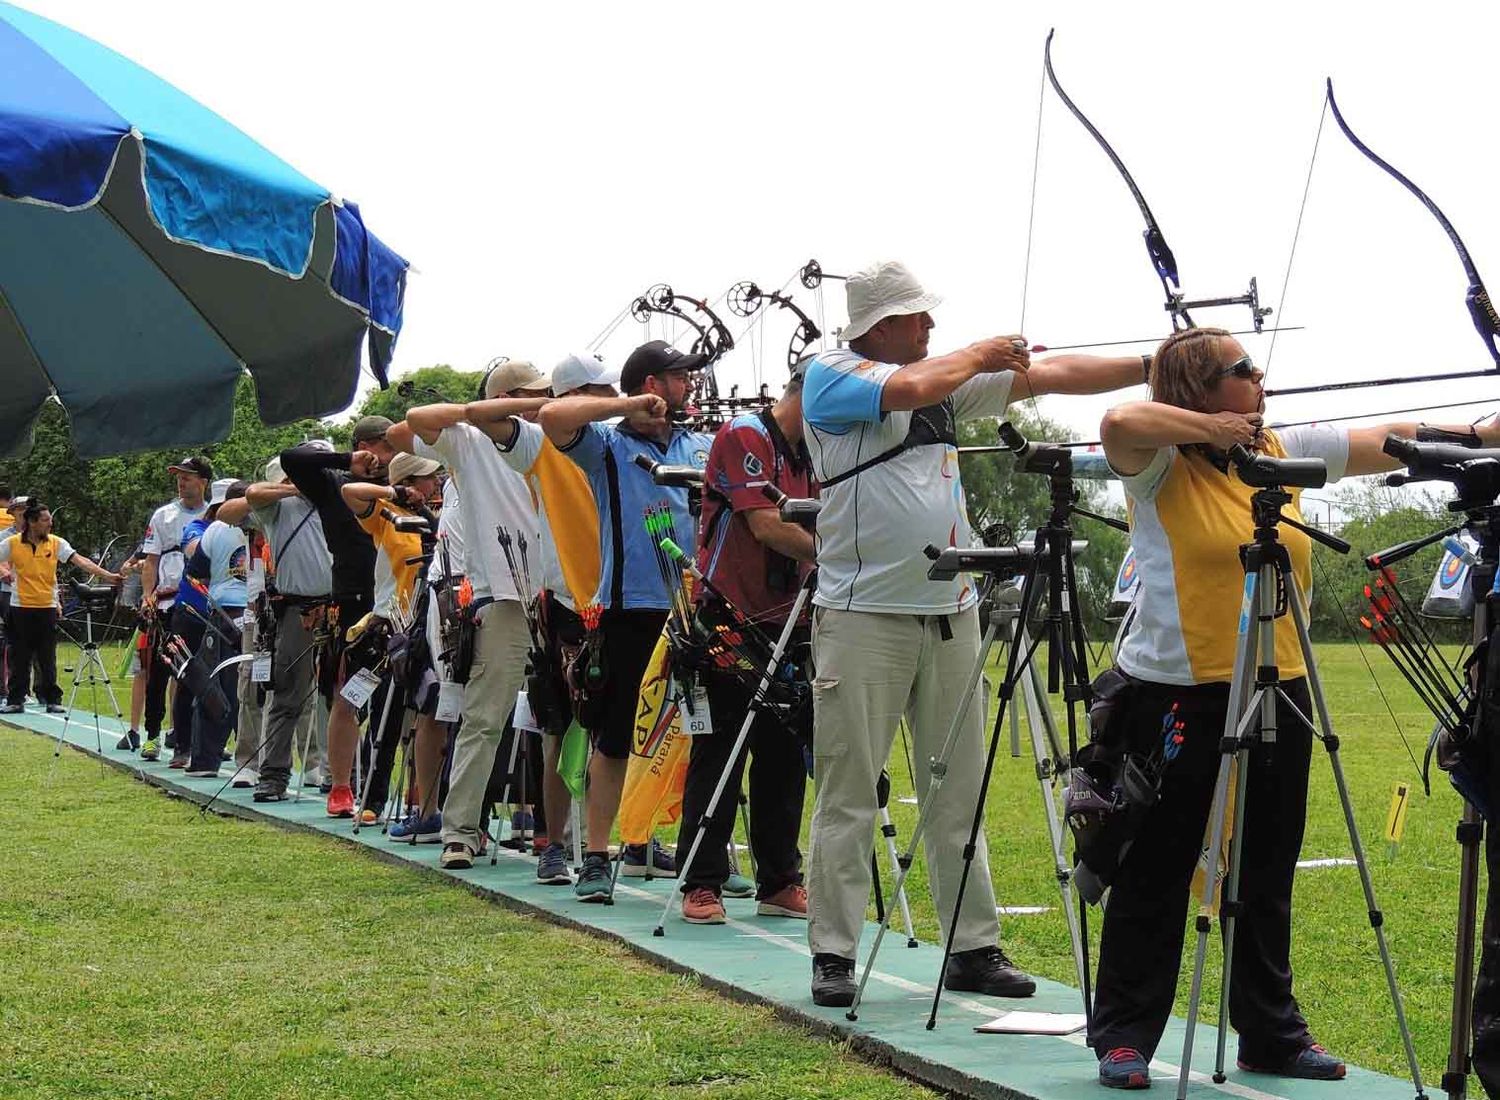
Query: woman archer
x=1190, y=513
x=34, y=553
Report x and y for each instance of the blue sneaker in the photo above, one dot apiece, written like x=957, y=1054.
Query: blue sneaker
x=662, y=863
x=1311, y=1063
x=1124, y=1068
x=593, y=878
x=421, y=830
x=737, y=886
x=552, y=866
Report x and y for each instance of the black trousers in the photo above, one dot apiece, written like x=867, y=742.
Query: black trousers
x=1140, y=949
x=382, y=743
x=189, y=628
x=778, y=781
x=205, y=748
x=33, y=637
x=157, y=679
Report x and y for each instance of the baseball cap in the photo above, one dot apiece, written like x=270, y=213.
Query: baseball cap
x=580, y=368
x=656, y=357
x=197, y=465
x=886, y=289
x=368, y=428
x=406, y=465
x=514, y=374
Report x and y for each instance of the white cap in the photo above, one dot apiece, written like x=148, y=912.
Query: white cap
x=219, y=492
x=580, y=368
x=887, y=289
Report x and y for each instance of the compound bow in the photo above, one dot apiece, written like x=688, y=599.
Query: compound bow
x=746, y=299
x=713, y=340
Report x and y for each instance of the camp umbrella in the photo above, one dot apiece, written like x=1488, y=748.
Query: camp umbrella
x=150, y=253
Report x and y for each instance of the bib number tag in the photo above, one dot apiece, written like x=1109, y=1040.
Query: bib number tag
x=699, y=722
x=260, y=669
x=359, y=687
x=450, y=701
x=524, y=719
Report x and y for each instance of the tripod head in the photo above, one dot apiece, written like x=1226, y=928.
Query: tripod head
x=95, y=599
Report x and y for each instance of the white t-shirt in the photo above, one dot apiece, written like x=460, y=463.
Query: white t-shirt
x=875, y=525
x=491, y=495
x=164, y=538
x=5, y=533
x=450, y=530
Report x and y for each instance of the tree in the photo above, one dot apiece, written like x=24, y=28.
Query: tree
x=1010, y=503
x=96, y=500
x=426, y=384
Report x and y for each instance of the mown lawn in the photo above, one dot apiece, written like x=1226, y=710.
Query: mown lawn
x=1340, y=983
x=148, y=951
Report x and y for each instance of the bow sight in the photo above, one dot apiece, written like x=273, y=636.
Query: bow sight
x=713, y=339
x=746, y=299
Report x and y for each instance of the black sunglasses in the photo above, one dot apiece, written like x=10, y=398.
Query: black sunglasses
x=1242, y=367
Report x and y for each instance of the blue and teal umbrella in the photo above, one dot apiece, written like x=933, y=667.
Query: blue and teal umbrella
x=150, y=253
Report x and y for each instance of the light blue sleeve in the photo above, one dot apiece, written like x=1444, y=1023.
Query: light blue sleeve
x=587, y=449
x=833, y=399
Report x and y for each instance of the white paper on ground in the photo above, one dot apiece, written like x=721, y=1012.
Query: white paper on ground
x=1034, y=1023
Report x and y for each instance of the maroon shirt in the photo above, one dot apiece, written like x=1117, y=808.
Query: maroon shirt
x=749, y=452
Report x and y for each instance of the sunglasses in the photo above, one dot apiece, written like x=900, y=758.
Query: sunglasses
x=1242, y=367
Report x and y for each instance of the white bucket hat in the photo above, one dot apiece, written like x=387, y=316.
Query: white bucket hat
x=886, y=289
x=579, y=368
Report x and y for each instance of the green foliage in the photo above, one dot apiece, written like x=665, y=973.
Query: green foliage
x=108, y=496
x=1377, y=519
x=454, y=385
x=998, y=493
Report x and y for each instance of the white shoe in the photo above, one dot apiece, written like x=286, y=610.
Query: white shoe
x=247, y=778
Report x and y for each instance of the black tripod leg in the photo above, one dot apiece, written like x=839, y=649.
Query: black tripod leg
x=1014, y=668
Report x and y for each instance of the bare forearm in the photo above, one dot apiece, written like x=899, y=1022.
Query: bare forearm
x=263, y=494
x=561, y=420
x=918, y=385
x=148, y=574
x=496, y=417
x=1148, y=425
x=428, y=421
x=775, y=533
x=1367, y=457
x=1078, y=374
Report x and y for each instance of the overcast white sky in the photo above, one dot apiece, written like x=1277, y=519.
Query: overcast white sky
x=542, y=164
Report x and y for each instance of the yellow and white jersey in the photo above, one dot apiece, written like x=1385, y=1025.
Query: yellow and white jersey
x=1187, y=523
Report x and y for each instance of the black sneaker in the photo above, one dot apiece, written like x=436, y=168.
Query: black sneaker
x=170, y=741
x=986, y=970
x=269, y=790
x=595, y=882
x=832, y=981
x=129, y=743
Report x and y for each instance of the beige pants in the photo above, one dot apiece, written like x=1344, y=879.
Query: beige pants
x=498, y=672
x=872, y=669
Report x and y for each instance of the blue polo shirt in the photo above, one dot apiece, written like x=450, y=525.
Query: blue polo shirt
x=630, y=577
x=186, y=593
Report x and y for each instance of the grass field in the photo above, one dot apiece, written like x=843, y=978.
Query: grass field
x=1339, y=980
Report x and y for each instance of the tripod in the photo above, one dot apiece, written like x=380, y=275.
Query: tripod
x=1047, y=567
x=90, y=668
x=1270, y=588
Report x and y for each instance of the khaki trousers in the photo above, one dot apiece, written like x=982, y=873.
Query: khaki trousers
x=498, y=672
x=872, y=669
